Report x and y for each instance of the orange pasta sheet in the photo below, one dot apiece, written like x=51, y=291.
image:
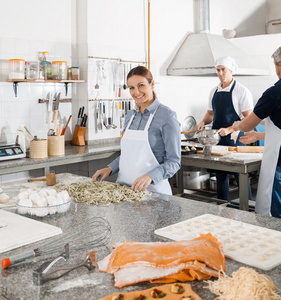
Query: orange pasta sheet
x=133, y=262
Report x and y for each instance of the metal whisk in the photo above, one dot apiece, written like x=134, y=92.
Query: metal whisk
x=89, y=235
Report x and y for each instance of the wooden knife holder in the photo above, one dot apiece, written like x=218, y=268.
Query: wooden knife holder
x=78, y=136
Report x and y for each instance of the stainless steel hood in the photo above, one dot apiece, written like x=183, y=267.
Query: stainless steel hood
x=199, y=51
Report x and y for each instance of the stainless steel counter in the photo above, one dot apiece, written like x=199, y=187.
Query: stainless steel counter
x=242, y=163
x=130, y=221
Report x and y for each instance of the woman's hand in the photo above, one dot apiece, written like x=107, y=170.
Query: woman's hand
x=101, y=174
x=141, y=183
x=225, y=131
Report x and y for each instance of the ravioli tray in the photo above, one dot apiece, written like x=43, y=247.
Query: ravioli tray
x=249, y=244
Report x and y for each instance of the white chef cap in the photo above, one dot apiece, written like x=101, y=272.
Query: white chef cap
x=228, y=62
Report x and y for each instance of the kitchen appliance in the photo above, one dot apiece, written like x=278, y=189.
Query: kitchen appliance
x=11, y=152
x=199, y=51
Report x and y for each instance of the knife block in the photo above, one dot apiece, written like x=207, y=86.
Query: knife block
x=78, y=136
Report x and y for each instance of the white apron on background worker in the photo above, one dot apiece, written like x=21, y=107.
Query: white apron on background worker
x=268, y=167
x=137, y=158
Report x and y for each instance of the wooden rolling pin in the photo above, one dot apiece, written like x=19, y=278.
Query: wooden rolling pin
x=188, y=131
x=247, y=149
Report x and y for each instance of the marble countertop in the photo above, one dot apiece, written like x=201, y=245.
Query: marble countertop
x=130, y=221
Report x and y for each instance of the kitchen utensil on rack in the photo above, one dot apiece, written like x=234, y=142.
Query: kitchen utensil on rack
x=42, y=274
x=188, y=124
x=113, y=110
x=100, y=116
x=64, y=129
x=56, y=107
x=124, y=85
x=105, y=119
x=92, y=233
x=98, y=74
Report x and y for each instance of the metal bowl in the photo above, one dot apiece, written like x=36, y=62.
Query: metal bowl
x=208, y=137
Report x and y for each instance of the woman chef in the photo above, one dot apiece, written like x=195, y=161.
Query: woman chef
x=151, y=143
x=228, y=102
x=268, y=107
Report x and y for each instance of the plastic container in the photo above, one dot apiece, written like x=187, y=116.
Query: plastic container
x=46, y=69
x=75, y=73
x=16, y=68
x=59, y=70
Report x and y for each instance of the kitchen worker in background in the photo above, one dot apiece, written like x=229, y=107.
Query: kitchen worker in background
x=268, y=107
x=251, y=137
x=228, y=102
x=151, y=143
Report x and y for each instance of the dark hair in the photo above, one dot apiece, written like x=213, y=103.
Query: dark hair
x=144, y=72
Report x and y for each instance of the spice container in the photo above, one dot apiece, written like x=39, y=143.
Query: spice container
x=69, y=74
x=43, y=56
x=35, y=70
x=59, y=70
x=75, y=73
x=46, y=69
x=16, y=68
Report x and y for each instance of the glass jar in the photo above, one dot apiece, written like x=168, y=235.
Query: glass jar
x=35, y=70
x=69, y=74
x=59, y=70
x=43, y=56
x=46, y=69
x=75, y=73
x=16, y=68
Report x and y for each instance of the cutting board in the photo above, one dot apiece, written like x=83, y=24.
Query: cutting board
x=216, y=152
x=17, y=231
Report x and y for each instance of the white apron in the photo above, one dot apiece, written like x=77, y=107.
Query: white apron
x=137, y=158
x=268, y=167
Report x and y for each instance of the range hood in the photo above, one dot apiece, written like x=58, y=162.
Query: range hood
x=199, y=51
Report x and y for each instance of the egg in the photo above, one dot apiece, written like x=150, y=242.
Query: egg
x=51, y=192
x=4, y=198
x=51, y=200
x=41, y=201
x=64, y=195
x=43, y=193
x=23, y=195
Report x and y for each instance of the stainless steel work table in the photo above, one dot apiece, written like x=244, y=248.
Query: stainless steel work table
x=73, y=154
x=224, y=163
x=130, y=221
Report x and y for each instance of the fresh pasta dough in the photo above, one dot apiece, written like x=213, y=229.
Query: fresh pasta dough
x=100, y=192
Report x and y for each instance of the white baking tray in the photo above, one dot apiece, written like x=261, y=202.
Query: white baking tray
x=249, y=244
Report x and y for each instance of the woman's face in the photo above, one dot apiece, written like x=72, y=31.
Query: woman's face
x=141, y=90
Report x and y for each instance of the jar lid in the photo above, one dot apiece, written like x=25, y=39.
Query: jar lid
x=16, y=59
x=45, y=52
x=59, y=62
x=75, y=67
x=44, y=63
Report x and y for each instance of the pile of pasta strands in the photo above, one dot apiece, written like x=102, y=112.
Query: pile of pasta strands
x=100, y=192
x=245, y=284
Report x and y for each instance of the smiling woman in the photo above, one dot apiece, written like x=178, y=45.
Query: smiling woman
x=151, y=144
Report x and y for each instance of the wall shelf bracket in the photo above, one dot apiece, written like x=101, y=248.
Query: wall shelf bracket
x=15, y=87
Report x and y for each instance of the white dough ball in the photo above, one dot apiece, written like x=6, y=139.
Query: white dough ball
x=4, y=198
x=25, y=202
x=64, y=195
x=28, y=191
x=1, y=190
x=51, y=200
x=51, y=192
x=43, y=193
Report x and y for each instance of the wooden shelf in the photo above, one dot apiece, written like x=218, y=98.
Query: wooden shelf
x=66, y=82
